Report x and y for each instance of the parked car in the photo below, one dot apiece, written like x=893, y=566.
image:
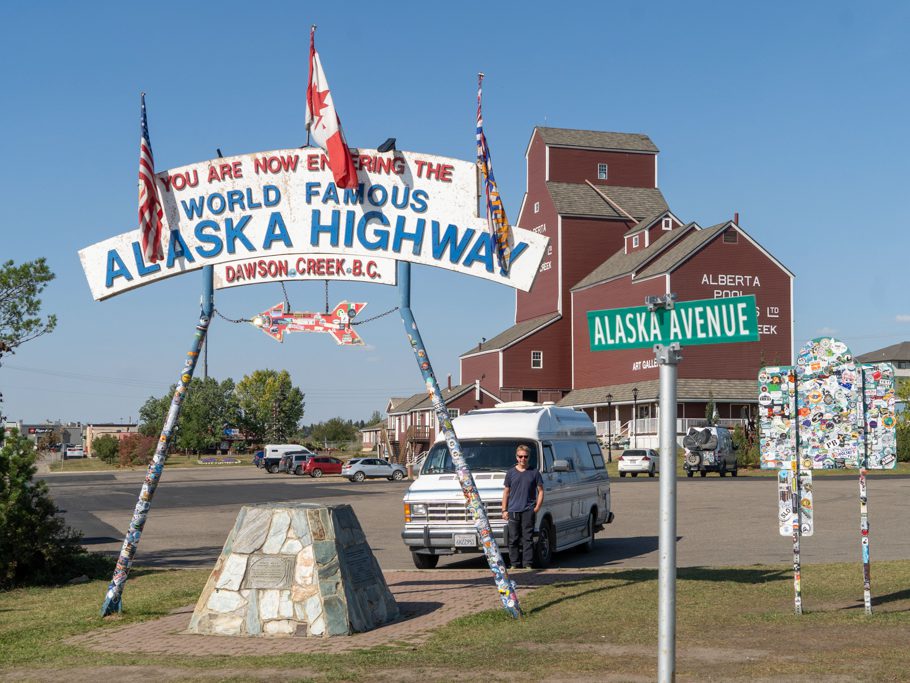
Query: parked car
x=639, y=460
x=74, y=452
x=709, y=449
x=322, y=464
x=358, y=469
x=258, y=457
x=293, y=462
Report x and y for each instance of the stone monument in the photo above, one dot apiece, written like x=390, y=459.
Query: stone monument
x=294, y=569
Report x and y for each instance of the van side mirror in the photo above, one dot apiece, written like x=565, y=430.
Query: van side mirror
x=562, y=466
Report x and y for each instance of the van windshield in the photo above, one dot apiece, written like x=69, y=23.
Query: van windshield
x=480, y=455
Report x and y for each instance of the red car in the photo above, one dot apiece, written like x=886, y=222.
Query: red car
x=322, y=464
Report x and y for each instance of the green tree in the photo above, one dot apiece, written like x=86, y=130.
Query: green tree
x=36, y=546
x=747, y=454
x=711, y=409
x=153, y=412
x=902, y=394
x=209, y=407
x=106, y=448
x=334, y=431
x=270, y=405
x=20, y=304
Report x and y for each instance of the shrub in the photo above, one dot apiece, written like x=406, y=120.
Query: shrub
x=903, y=441
x=747, y=454
x=36, y=546
x=106, y=448
x=137, y=449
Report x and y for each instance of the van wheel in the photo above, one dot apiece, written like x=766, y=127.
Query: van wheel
x=588, y=545
x=703, y=473
x=734, y=472
x=622, y=474
x=722, y=473
x=272, y=469
x=634, y=474
x=422, y=561
x=543, y=549
x=689, y=473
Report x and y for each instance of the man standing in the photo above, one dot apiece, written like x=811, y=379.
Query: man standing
x=521, y=499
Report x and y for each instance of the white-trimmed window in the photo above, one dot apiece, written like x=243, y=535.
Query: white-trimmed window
x=536, y=360
x=667, y=223
x=536, y=207
x=635, y=242
x=453, y=413
x=602, y=171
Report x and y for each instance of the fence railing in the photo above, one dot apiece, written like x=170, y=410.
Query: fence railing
x=651, y=425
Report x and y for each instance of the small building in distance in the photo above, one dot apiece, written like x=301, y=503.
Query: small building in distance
x=119, y=430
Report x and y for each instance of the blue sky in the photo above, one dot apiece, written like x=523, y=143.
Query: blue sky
x=792, y=114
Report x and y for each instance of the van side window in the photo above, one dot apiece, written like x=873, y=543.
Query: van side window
x=597, y=455
x=585, y=457
x=566, y=451
x=547, y=458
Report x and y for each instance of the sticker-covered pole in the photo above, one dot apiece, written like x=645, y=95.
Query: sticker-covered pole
x=864, y=533
x=668, y=358
x=465, y=478
x=796, y=506
x=113, y=598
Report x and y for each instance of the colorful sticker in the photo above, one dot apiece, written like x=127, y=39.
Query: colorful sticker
x=785, y=502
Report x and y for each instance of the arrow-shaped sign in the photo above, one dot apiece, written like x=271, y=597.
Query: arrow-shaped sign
x=275, y=322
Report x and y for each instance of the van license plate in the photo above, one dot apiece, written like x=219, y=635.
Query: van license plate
x=465, y=540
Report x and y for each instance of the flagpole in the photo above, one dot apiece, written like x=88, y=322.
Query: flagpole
x=310, y=72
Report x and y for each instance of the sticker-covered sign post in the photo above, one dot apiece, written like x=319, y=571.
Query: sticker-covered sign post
x=664, y=325
x=826, y=412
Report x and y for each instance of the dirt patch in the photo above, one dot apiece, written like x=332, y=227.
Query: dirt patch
x=93, y=674
x=705, y=655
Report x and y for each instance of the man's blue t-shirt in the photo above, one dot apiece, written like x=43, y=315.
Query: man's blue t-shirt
x=522, y=489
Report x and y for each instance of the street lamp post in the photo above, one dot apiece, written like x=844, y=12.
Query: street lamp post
x=609, y=427
x=634, y=417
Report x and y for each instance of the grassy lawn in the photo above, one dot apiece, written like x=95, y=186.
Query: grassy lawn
x=732, y=624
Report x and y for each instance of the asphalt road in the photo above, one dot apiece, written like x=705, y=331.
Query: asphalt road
x=720, y=522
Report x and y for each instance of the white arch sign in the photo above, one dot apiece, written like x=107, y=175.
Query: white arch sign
x=282, y=207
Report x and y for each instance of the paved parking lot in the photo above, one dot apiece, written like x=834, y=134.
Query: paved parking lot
x=721, y=522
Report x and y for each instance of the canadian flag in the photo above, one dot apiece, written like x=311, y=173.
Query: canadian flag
x=323, y=123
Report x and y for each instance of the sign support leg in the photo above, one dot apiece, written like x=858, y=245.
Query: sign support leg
x=797, y=533
x=668, y=358
x=113, y=598
x=864, y=532
x=481, y=521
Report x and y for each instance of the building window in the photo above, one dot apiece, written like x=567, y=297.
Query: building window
x=635, y=242
x=601, y=171
x=667, y=223
x=731, y=237
x=537, y=359
x=536, y=207
x=453, y=413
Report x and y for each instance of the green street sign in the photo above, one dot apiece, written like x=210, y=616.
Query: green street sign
x=707, y=321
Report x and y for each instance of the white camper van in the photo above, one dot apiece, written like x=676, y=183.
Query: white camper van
x=564, y=448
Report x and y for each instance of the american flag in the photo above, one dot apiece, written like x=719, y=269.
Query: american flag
x=150, y=213
x=496, y=212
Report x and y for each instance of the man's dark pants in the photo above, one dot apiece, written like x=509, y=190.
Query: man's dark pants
x=521, y=530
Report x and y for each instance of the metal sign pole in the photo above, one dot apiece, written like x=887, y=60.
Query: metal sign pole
x=113, y=597
x=466, y=479
x=668, y=358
